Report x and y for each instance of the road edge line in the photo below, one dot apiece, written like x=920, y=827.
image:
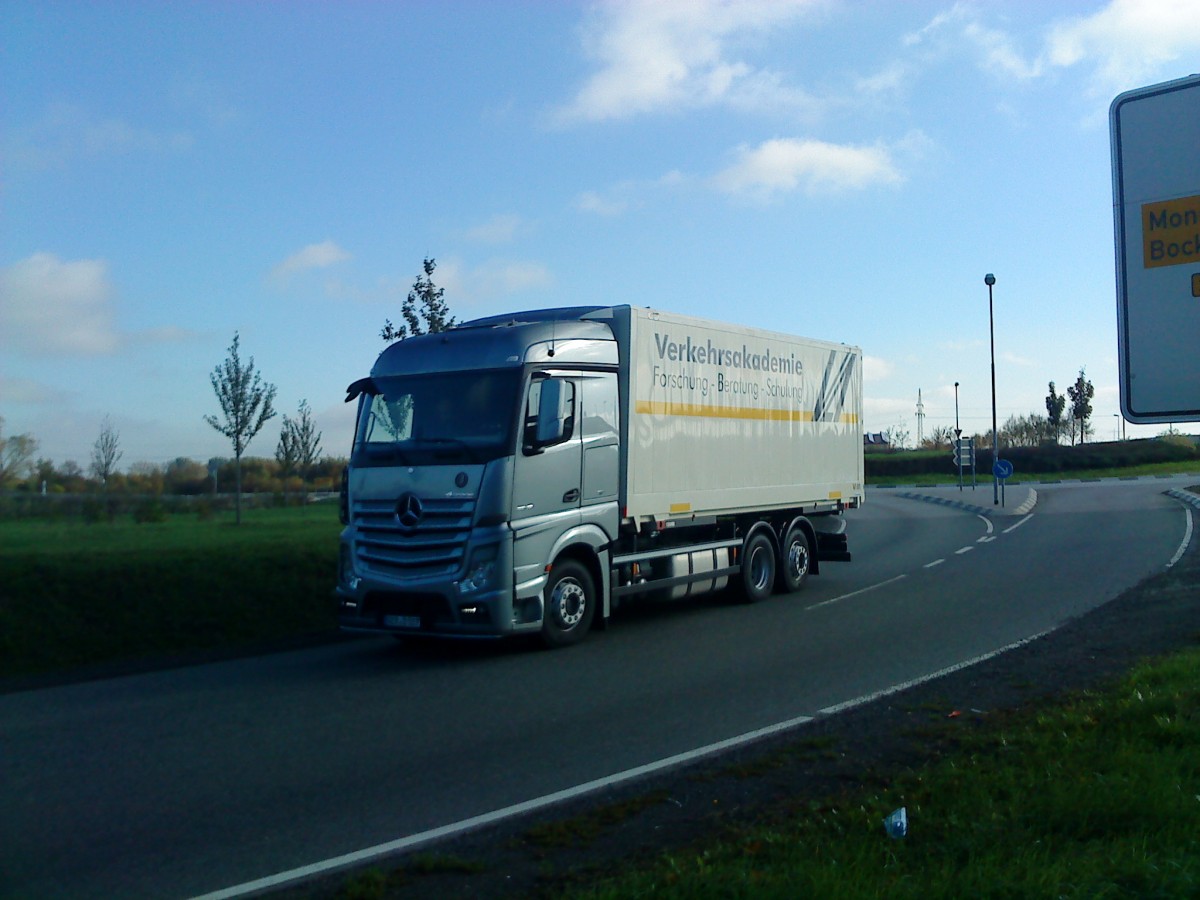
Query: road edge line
x=346, y=860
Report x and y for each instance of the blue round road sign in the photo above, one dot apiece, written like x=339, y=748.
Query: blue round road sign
x=1002, y=468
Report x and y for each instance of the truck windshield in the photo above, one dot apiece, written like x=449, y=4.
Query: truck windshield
x=433, y=419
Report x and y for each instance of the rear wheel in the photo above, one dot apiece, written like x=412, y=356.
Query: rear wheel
x=758, y=567
x=796, y=562
x=570, y=604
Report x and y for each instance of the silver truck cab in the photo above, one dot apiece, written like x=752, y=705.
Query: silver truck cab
x=481, y=495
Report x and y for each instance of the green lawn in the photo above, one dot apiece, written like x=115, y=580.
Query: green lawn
x=75, y=594
x=1098, y=796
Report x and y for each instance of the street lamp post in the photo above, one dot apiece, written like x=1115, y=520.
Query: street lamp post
x=989, y=279
x=957, y=438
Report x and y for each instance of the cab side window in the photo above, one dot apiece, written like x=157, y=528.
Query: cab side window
x=549, y=413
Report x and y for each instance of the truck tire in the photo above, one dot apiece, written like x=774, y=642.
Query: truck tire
x=570, y=604
x=758, y=567
x=796, y=561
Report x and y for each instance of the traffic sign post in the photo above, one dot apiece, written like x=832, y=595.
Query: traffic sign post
x=964, y=455
x=1003, y=470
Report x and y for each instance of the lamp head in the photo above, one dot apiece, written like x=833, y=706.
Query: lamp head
x=989, y=279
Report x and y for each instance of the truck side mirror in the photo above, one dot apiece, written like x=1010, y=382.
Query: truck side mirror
x=551, y=421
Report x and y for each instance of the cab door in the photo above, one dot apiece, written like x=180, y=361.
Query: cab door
x=547, y=483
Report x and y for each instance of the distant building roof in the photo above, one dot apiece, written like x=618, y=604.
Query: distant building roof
x=875, y=438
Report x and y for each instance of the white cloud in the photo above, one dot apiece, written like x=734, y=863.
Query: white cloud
x=27, y=391
x=672, y=54
x=52, y=307
x=998, y=55
x=1130, y=42
x=876, y=368
x=884, y=412
x=166, y=334
x=594, y=202
x=629, y=193
x=499, y=229
x=784, y=165
x=959, y=29
x=1013, y=359
x=66, y=132
x=466, y=285
x=504, y=278
x=968, y=345
x=314, y=256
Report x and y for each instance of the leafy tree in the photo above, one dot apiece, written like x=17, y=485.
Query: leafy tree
x=16, y=456
x=185, y=476
x=43, y=473
x=146, y=478
x=1055, y=404
x=299, y=444
x=246, y=403
x=1081, y=394
x=106, y=452
x=424, y=309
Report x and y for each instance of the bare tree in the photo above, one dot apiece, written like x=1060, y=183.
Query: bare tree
x=1026, y=431
x=246, y=403
x=299, y=443
x=898, y=436
x=16, y=455
x=942, y=437
x=106, y=452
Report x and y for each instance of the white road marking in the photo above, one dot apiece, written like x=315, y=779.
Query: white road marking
x=415, y=840
x=1017, y=525
x=961, y=550
x=895, y=689
x=1187, y=539
x=936, y=562
x=854, y=593
x=988, y=523
x=986, y=539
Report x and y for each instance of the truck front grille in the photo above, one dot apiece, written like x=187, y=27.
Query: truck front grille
x=433, y=546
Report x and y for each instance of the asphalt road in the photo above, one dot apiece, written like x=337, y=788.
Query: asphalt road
x=182, y=782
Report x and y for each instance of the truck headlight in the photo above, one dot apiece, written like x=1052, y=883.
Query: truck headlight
x=346, y=568
x=481, y=571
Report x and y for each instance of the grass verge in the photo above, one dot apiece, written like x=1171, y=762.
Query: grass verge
x=75, y=595
x=1096, y=796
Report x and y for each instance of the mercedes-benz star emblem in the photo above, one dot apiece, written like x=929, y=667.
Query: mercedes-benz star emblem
x=409, y=510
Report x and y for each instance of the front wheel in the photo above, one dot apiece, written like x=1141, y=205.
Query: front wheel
x=570, y=604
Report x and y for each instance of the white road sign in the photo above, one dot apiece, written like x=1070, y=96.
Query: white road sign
x=1156, y=211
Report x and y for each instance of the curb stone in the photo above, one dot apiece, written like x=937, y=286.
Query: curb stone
x=1184, y=496
x=987, y=511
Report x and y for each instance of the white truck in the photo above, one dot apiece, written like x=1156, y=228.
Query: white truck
x=527, y=473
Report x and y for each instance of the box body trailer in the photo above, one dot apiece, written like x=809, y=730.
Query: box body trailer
x=528, y=473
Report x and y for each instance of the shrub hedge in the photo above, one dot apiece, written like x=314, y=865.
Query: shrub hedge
x=1046, y=460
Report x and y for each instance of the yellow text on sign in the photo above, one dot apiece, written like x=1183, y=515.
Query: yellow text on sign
x=1171, y=232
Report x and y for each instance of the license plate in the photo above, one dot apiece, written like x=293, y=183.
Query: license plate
x=402, y=621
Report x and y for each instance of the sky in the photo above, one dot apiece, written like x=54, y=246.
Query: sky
x=173, y=173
